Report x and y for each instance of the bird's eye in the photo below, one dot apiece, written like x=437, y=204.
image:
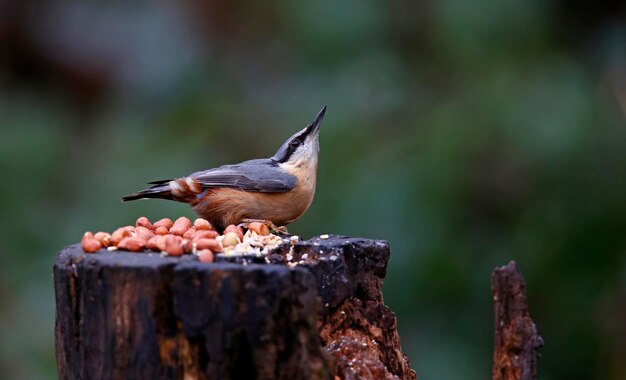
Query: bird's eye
x=295, y=143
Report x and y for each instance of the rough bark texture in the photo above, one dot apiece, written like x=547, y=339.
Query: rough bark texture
x=357, y=329
x=127, y=315
x=123, y=315
x=516, y=339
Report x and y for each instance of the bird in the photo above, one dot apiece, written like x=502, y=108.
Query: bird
x=276, y=190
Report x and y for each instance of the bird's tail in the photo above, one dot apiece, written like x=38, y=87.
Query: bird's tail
x=161, y=190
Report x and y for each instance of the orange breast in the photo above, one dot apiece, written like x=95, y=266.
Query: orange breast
x=224, y=206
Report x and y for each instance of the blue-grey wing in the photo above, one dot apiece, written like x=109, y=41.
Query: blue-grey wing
x=262, y=175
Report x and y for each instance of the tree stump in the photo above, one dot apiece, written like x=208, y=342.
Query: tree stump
x=313, y=312
x=516, y=339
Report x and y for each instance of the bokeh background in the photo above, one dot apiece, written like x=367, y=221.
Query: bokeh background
x=467, y=133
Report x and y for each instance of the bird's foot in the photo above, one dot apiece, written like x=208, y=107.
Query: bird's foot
x=268, y=223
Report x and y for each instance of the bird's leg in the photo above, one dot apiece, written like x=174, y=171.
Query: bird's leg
x=268, y=223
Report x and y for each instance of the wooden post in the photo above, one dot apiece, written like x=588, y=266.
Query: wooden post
x=516, y=339
x=314, y=312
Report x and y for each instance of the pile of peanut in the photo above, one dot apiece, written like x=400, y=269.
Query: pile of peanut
x=181, y=236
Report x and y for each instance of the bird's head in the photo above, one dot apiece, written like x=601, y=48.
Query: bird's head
x=303, y=147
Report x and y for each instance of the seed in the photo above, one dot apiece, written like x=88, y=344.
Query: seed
x=133, y=244
x=89, y=243
x=144, y=222
x=236, y=230
x=173, y=245
x=103, y=238
x=205, y=256
x=118, y=235
x=181, y=225
x=187, y=245
x=161, y=230
x=202, y=224
x=230, y=239
x=259, y=228
x=165, y=222
x=255, y=243
x=211, y=244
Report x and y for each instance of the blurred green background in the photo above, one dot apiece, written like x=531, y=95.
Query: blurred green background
x=467, y=133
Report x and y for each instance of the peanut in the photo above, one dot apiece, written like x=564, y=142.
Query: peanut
x=173, y=245
x=205, y=256
x=118, y=235
x=181, y=225
x=89, y=243
x=133, y=244
x=202, y=224
x=156, y=243
x=189, y=234
x=259, y=228
x=103, y=238
x=162, y=243
x=144, y=222
x=143, y=232
x=236, y=230
x=161, y=230
x=211, y=244
x=165, y=222
x=205, y=235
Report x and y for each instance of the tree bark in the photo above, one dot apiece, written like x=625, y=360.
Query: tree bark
x=357, y=329
x=124, y=315
x=314, y=312
x=516, y=339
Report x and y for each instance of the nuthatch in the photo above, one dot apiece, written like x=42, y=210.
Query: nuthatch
x=278, y=189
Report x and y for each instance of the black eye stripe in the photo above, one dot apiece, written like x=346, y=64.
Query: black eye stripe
x=288, y=148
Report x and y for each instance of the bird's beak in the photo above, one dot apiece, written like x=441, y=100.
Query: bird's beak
x=315, y=126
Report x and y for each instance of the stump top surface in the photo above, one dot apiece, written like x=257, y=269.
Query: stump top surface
x=339, y=264
x=316, y=250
